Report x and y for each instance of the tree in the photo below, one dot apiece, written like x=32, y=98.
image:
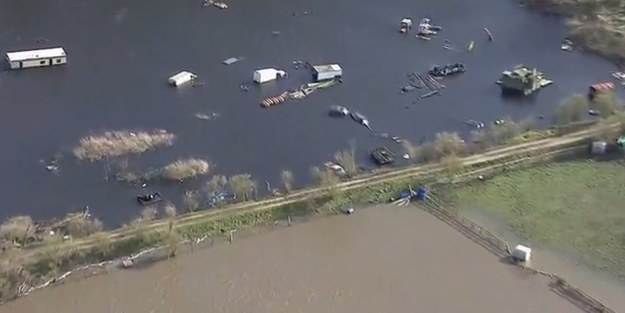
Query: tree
x=287, y=180
x=428, y=152
x=18, y=229
x=242, y=186
x=81, y=225
x=451, y=165
x=326, y=179
x=347, y=159
x=191, y=200
x=217, y=183
x=571, y=110
x=448, y=144
x=411, y=150
x=173, y=238
x=606, y=103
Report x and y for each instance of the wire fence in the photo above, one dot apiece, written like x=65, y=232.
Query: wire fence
x=501, y=248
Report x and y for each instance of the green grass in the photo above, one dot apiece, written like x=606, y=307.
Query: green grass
x=578, y=206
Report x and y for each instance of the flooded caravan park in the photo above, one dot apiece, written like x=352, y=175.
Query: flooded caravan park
x=399, y=259
x=120, y=54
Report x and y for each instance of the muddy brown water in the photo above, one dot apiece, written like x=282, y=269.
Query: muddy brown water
x=383, y=259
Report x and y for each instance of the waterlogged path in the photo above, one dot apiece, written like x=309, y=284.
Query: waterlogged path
x=387, y=259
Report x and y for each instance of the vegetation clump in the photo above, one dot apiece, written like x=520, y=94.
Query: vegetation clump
x=598, y=25
x=18, y=229
x=118, y=143
x=184, y=169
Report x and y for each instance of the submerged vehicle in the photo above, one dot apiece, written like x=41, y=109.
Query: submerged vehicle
x=523, y=80
x=360, y=119
x=219, y=198
x=447, y=70
x=338, y=111
x=149, y=198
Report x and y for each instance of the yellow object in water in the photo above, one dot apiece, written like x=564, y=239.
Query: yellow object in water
x=470, y=46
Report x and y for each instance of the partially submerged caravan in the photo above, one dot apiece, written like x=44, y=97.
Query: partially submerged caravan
x=181, y=78
x=36, y=58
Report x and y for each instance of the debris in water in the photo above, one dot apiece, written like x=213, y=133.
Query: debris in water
x=338, y=111
x=382, y=156
x=489, y=34
x=426, y=29
x=471, y=46
x=207, y=117
x=244, y=87
x=230, y=61
x=276, y=33
x=360, y=119
x=447, y=70
x=475, y=124
x=405, y=25
x=567, y=45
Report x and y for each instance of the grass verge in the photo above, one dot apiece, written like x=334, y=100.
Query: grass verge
x=572, y=205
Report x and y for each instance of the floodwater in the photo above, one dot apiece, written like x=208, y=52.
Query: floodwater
x=386, y=259
x=121, y=53
x=606, y=288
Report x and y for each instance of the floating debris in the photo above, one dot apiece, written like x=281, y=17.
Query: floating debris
x=567, y=45
x=405, y=25
x=475, y=124
x=273, y=101
x=426, y=29
x=382, y=156
x=471, y=46
x=619, y=76
x=338, y=111
x=149, y=198
x=244, y=88
x=593, y=113
x=360, y=119
x=447, y=70
x=337, y=169
x=488, y=33
x=210, y=116
x=230, y=61
x=276, y=33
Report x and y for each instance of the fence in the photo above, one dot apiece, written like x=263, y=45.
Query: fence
x=500, y=247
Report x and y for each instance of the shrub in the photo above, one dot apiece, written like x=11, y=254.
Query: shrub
x=18, y=229
x=571, y=110
x=287, y=180
x=185, y=169
x=81, y=225
x=118, y=143
x=347, y=159
x=242, y=186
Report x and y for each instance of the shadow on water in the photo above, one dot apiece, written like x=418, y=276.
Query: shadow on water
x=120, y=56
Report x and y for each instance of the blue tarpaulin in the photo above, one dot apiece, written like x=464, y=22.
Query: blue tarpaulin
x=422, y=193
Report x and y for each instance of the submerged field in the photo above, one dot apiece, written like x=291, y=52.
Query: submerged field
x=573, y=206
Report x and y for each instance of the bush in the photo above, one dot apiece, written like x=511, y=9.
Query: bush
x=347, y=159
x=287, y=180
x=81, y=225
x=448, y=144
x=411, y=150
x=185, y=169
x=606, y=103
x=18, y=229
x=242, y=186
x=571, y=110
x=217, y=183
x=118, y=143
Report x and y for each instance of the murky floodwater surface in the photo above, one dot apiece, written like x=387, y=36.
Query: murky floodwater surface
x=122, y=52
x=387, y=259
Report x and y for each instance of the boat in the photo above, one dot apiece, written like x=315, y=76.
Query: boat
x=447, y=70
x=337, y=169
x=382, y=156
x=338, y=111
x=619, y=75
x=567, y=45
x=149, y=198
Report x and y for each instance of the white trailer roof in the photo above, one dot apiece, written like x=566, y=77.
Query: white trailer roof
x=327, y=67
x=18, y=56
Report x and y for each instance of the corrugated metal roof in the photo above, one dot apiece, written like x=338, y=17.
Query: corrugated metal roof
x=18, y=56
x=603, y=86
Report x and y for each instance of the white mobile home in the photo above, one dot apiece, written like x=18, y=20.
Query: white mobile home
x=268, y=74
x=36, y=58
x=182, y=78
x=327, y=72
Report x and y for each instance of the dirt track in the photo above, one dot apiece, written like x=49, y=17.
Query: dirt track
x=369, y=180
